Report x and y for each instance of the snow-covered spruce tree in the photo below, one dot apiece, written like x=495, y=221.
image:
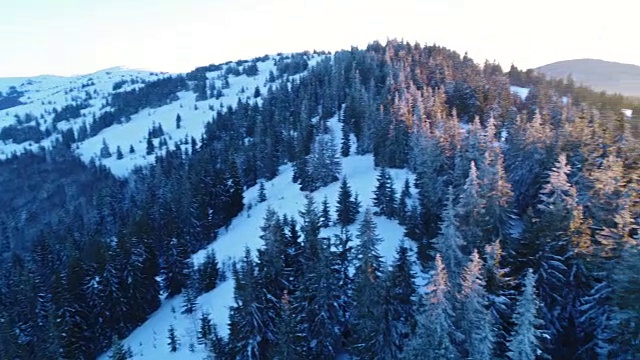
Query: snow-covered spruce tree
x=324, y=165
x=496, y=191
x=342, y=263
x=345, y=143
x=402, y=208
x=271, y=278
x=499, y=287
x=176, y=269
x=190, y=292
x=449, y=242
x=245, y=316
x=430, y=182
x=477, y=322
x=524, y=342
x=292, y=265
x=119, y=351
x=399, y=304
x=470, y=211
x=262, y=192
x=287, y=334
x=384, y=195
x=172, y=338
x=317, y=304
x=205, y=330
x=325, y=213
x=347, y=209
x=105, y=153
x=435, y=334
x=119, y=154
x=546, y=248
x=208, y=272
x=368, y=287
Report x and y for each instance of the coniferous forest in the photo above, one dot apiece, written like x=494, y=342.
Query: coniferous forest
x=526, y=220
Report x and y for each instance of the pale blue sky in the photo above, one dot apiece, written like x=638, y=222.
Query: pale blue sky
x=64, y=37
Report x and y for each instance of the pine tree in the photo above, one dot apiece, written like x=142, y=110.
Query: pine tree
x=119, y=154
x=402, y=209
x=325, y=213
x=345, y=145
x=173, y=339
x=205, y=330
x=368, y=288
x=477, y=322
x=435, y=334
x=524, y=343
x=347, y=208
x=385, y=195
x=190, y=292
x=176, y=269
x=399, y=303
x=449, y=242
x=245, y=316
x=470, y=211
x=119, y=351
x=105, y=153
x=178, y=121
x=262, y=195
x=151, y=148
x=208, y=272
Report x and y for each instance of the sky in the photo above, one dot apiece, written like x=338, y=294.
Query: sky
x=71, y=37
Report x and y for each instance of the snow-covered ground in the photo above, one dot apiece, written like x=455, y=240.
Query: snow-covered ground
x=43, y=93
x=520, y=91
x=149, y=340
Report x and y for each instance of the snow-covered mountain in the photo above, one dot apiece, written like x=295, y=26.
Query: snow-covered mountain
x=37, y=111
x=149, y=340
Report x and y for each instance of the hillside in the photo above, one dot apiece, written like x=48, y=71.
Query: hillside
x=42, y=109
x=609, y=76
x=256, y=209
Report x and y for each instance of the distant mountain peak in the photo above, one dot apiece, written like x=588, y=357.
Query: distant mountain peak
x=610, y=76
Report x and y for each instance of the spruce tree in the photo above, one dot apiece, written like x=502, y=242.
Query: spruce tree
x=205, y=330
x=524, y=342
x=173, y=339
x=119, y=154
x=325, y=213
x=435, y=335
x=478, y=327
x=368, y=289
x=449, y=242
x=151, y=148
x=347, y=208
x=132, y=150
x=384, y=195
x=470, y=211
x=208, y=272
x=105, y=153
x=399, y=303
x=262, y=194
x=119, y=351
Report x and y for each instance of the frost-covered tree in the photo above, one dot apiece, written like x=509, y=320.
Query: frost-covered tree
x=524, y=342
x=172, y=338
x=399, y=303
x=347, y=208
x=325, y=213
x=449, y=242
x=470, y=211
x=435, y=335
x=368, y=288
x=478, y=326
x=384, y=195
x=105, y=153
x=262, y=192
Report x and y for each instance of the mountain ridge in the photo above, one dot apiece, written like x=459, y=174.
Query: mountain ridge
x=601, y=75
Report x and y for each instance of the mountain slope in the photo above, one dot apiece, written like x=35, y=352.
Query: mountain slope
x=609, y=76
x=149, y=340
x=34, y=119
